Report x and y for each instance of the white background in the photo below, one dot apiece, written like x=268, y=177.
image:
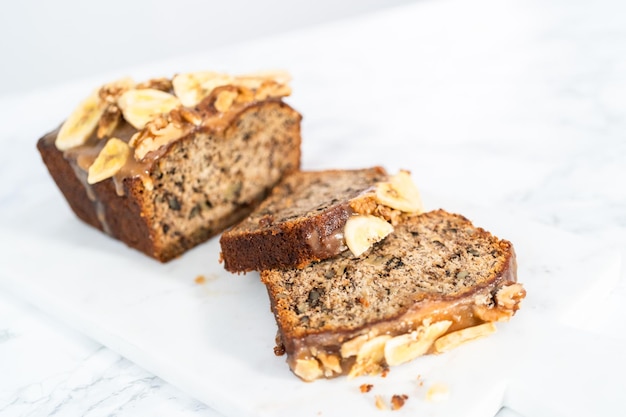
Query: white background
x=516, y=105
x=50, y=42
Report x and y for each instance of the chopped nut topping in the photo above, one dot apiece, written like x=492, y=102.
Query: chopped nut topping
x=308, y=369
x=507, y=301
x=159, y=132
x=163, y=84
x=224, y=100
x=111, y=92
x=510, y=296
x=191, y=116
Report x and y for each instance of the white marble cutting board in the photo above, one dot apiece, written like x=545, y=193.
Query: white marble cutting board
x=214, y=340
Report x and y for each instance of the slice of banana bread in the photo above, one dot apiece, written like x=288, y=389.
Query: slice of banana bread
x=316, y=215
x=165, y=164
x=434, y=283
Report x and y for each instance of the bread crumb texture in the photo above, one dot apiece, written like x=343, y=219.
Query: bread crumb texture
x=432, y=256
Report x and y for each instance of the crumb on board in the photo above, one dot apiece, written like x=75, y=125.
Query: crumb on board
x=385, y=372
x=437, y=392
x=366, y=387
x=397, y=401
x=200, y=279
x=380, y=403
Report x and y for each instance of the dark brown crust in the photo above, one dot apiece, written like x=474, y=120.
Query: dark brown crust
x=282, y=246
x=67, y=182
x=285, y=244
x=127, y=216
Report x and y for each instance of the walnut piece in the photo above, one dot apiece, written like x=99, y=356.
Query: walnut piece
x=331, y=364
x=397, y=401
x=308, y=369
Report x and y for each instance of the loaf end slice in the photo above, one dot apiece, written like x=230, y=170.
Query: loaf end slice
x=315, y=215
x=182, y=175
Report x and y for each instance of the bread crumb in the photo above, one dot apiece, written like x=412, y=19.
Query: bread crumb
x=200, y=279
x=279, y=350
x=437, y=392
x=380, y=403
x=420, y=381
x=385, y=372
x=397, y=401
x=366, y=387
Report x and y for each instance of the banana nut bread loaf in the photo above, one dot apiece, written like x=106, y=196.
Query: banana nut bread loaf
x=435, y=282
x=316, y=215
x=165, y=164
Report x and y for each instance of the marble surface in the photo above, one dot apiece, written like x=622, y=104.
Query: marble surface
x=516, y=106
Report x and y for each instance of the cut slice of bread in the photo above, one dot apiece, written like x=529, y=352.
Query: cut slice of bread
x=316, y=215
x=435, y=282
x=165, y=164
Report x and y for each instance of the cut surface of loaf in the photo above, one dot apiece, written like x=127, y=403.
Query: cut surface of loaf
x=432, y=284
x=164, y=165
x=307, y=218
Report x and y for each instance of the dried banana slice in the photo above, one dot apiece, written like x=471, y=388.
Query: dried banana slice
x=455, y=339
x=362, y=231
x=140, y=106
x=370, y=357
x=255, y=79
x=191, y=88
x=406, y=347
x=109, y=161
x=400, y=193
x=81, y=123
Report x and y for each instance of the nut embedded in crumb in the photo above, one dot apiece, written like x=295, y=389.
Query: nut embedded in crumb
x=366, y=387
x=397, y=401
